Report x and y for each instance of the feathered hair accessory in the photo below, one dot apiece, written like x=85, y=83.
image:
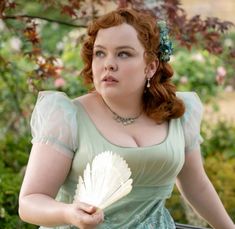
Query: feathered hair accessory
x=165, y=47
x=105, y=181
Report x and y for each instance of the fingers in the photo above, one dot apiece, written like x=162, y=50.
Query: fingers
x=93, y=219
x=87, y=216
x=87, y=207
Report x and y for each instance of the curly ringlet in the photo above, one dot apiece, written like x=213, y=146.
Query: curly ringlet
x=159, y=101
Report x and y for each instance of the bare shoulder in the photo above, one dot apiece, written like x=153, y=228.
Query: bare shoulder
x=89, y=101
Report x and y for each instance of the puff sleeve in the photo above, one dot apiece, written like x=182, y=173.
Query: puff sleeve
x=191, y=120
x=54, y=122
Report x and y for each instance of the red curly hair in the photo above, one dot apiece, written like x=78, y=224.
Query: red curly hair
x=159, y=101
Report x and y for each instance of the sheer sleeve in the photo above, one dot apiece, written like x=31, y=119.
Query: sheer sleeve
x=54, y=122
x=191, y=120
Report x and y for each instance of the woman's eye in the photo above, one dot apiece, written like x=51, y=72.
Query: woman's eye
x=99, y=53
x=124, y=54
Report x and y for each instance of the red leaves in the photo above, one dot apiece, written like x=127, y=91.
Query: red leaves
x=213, y=43
x=12, y=5
x=195, y=31
x=68, y=10
x=75, y=4
x=3, y=5
x=71, y=8
x=216, y=24
x=47, y=67
x=6, y=5
x=31, y=33
x=232, y=53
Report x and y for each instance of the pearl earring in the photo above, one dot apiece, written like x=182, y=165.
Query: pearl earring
x=148, y=83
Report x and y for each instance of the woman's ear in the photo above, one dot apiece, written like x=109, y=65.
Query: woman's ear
x=152, y=68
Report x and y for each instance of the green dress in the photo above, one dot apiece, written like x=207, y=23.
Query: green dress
x=64, y=123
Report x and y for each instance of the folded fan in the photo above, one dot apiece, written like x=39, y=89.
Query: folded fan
x=105, y=181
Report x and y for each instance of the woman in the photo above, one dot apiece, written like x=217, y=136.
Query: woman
x=133, y=111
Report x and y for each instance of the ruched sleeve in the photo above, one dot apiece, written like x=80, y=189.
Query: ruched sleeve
x=191, y=120
x=54, y=122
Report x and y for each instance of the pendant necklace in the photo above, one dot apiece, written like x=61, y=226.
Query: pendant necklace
x=120, y=119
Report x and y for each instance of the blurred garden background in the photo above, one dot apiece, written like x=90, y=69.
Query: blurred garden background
x=39, y=50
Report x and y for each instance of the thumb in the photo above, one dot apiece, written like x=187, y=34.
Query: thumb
x=90, y=209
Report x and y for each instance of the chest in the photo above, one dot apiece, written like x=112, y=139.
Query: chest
x=143, y=132
x=156, y=163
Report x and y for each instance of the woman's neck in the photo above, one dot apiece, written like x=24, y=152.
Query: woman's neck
x=124, y=107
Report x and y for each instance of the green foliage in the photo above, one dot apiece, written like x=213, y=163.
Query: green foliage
x=175, y=207
x=220, y=170
x=219, y=137
x=197, y=71
x=14, y=155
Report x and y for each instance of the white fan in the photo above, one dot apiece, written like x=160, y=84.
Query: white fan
x=105, y=181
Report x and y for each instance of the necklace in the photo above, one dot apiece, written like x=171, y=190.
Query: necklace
x=120, y=119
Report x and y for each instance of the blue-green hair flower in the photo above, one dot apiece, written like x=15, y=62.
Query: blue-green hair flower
x=165, y=47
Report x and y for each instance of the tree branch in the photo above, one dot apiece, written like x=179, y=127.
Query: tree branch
x=15, y=17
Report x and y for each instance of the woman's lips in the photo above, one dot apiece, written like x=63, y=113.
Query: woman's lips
x=110, y=79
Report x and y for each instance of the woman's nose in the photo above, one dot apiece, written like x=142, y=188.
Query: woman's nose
x=111, y=67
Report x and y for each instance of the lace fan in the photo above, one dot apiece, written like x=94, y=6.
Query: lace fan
x=105, y=181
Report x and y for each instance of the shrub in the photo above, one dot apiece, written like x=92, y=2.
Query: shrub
x=198, y=71
x=220, y=170
x=218, y=137
x=14, y=155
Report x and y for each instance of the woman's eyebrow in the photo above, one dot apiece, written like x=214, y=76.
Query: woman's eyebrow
x=125, y=47
x=117, y=48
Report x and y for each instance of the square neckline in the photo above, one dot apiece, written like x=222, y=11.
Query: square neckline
x=78, y=105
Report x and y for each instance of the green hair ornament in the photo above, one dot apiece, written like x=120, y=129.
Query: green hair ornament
x=165, y=47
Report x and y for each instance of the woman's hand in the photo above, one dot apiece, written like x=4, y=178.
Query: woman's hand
x=84, y=216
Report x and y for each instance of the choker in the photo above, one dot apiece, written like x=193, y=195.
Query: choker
x=120, y=119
